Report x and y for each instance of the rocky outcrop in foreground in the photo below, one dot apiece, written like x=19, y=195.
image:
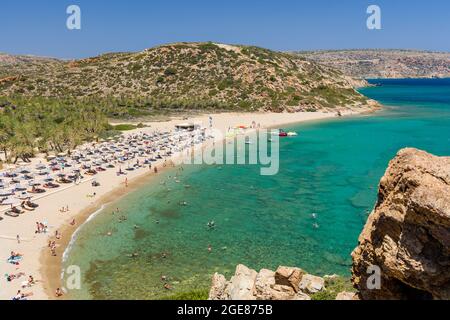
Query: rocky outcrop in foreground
x=408, y=234
x=284, y=284
x=403, y=251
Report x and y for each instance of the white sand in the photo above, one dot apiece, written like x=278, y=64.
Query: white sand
x=34, y=246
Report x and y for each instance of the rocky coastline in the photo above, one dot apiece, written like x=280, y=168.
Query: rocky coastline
x=403, y=251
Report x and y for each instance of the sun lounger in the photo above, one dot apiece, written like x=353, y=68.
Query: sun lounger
x=11, y=214
x=31, y=204
x=51, y=185
x=64, y=181
x=36, y=190
x=18, y=211
x=25, y=207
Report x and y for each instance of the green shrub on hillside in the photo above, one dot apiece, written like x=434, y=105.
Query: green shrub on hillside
x=199, y=294
x=333, y=287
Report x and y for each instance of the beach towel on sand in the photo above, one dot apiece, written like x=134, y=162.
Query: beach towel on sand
x=14, y=260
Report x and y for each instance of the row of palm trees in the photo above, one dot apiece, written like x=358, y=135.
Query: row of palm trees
x=36, y=125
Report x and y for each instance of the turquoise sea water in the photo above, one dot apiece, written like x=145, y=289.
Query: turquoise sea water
x=331, y=169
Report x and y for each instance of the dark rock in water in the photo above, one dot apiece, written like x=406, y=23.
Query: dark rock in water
x=362, y=200
x=407, y=236
x=141, y=234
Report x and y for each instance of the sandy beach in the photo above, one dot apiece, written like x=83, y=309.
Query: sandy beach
x=37, y=260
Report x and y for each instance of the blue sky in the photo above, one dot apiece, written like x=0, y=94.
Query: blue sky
x=39, y=26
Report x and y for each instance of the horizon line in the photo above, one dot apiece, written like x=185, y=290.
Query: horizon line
x=31, y=55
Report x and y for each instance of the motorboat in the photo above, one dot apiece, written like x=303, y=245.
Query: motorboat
x=279, y=132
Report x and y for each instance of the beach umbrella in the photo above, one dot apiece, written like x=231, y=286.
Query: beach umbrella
x=19, y=187
x=23, y=195
x=26, y=177
x=11, y=201
x=12, y=173
x=41, y=167
x=34, y=183
x=43, y=172
x=6, y=193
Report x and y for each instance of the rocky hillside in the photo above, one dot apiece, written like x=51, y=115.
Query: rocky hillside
x=408, y=233
x=19, y=64
x=384, y=63
x=186, y=75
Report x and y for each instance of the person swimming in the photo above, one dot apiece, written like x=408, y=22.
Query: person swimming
x=167, y=286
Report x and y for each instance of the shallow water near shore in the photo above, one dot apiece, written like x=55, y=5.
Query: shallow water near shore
x=331, y=170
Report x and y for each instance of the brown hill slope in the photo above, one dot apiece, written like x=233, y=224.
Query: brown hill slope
x=384, y=63
x=187, y=75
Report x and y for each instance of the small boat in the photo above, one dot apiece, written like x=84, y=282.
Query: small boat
x=275, y=132
x=292, y=134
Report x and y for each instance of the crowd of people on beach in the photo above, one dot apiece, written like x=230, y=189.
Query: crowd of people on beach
x=125, y=153
x=15, y=259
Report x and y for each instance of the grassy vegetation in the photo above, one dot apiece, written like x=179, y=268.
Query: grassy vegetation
x=180, y=77
x=333, y=287
x=48, y=105
x=199, y=294
x=125, y=127
x=41, y=125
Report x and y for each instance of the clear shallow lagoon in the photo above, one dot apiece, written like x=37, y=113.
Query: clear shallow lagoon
x=331, y=169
